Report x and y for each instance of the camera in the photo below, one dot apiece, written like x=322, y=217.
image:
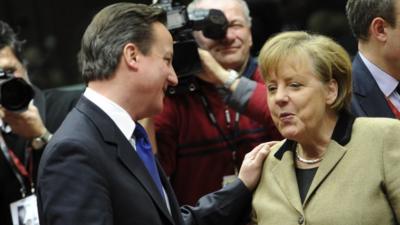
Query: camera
x=15, y=92
x=181, y=24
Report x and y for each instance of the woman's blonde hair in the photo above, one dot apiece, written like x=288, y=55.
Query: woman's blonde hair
x=330, y=60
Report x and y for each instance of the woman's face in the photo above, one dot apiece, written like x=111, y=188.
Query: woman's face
x=298, y=100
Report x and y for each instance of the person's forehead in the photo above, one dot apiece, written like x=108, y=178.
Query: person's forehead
x=7, y=56
x=232, y=9
x=224, y=6
x=163, y=38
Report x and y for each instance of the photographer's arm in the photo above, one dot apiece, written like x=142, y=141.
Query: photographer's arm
x=247, y=96
x=215, y=73
x=244, y=93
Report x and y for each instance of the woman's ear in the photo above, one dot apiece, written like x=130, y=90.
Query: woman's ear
x=332, y=92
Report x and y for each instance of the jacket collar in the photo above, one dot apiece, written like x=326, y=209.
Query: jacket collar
x=366, y=91
x=341, y=134
x=283, y=171
x=250, y=68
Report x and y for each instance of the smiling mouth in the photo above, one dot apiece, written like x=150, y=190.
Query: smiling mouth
x=228, y=48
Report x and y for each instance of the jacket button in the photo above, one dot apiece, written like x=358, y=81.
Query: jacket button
x=301, y=220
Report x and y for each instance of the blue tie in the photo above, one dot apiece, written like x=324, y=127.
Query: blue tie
x=143, y=149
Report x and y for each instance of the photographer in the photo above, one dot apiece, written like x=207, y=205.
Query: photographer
x=23, y=132
x=202, y=136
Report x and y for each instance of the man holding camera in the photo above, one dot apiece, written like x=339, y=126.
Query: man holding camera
x=23, y=132
x=202, y=136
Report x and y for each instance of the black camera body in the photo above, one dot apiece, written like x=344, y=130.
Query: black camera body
x=181, y=24
x=15, y=92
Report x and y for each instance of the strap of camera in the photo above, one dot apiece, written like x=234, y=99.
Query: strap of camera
x=17, y=167
x=248, y=72
x=213, y=120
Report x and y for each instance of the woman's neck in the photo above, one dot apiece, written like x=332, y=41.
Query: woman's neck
x=314, y=146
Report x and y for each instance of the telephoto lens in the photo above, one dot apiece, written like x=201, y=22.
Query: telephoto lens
x=15, y=92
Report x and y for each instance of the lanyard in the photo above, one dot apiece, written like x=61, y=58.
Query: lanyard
x=251, y=67
x=228, y=121
x=17, y=167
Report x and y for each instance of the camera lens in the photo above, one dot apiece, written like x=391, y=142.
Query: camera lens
x=15, y=94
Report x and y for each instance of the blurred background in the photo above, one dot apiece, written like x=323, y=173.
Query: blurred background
x=53, y=29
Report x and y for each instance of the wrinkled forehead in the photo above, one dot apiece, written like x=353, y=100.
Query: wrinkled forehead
x=212, y=4
x=226, y=6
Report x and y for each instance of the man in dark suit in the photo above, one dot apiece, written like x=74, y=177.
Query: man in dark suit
x=25, y=132
x=94, y=171
x=376, y=67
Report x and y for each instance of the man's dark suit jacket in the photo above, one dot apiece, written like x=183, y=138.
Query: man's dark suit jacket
x=53, y=107
x=90, y=174
x=367, y=100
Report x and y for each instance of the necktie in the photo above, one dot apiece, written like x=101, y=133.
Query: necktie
x=143, y=149
x=398, y=88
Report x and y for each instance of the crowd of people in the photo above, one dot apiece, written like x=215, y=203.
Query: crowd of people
x=282, y=137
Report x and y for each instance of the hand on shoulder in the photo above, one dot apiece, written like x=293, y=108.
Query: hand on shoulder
x=251, y=168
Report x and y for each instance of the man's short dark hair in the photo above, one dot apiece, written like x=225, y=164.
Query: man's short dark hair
x=8, y=38
x=110, y=30
x=360, y=14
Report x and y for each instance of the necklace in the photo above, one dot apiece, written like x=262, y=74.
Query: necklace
x=307, y=161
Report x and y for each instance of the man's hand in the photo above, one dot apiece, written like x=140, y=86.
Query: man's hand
x=250, y=171
x=27, y=124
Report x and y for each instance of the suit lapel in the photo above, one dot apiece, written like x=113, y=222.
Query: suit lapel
x=370, y=97
x=126, y=154
x=285, y=176
x=134, y=164
x=175, y=209
x=334, y=154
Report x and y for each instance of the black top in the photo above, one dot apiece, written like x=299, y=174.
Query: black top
x=304, y=179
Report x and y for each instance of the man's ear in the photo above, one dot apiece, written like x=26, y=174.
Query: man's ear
x=130, y=55
x=378, y=29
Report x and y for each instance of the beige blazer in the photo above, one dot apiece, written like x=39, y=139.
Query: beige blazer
x=356, y=183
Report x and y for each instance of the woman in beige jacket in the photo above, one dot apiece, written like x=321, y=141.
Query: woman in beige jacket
x=332, y=168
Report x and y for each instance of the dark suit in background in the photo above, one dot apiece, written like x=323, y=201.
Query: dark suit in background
x=59, y=101
x=374, y=25
x=367, y=100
